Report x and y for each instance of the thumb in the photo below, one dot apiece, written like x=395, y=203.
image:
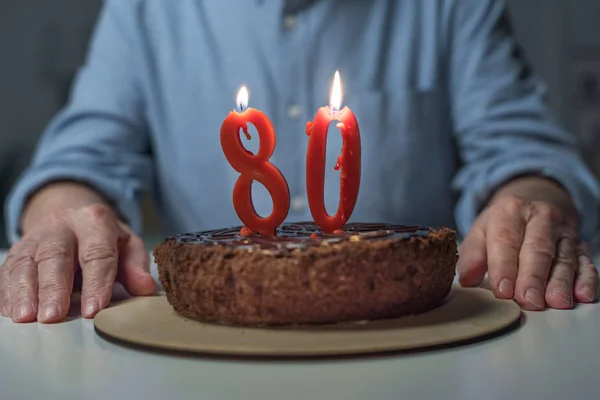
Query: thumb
x=472, y=261
x=134, y=265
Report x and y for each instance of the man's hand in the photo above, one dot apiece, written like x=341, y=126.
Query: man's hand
x=525, y=239
x=36, y=279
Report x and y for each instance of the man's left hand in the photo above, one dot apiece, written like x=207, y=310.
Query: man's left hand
x=529, y=247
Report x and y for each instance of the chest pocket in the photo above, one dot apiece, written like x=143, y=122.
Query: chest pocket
x=407, y=154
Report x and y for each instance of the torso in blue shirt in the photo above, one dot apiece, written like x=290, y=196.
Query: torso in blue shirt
x=447, y=108
x=392, y=77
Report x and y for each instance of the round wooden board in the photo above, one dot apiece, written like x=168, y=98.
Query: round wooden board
x=467, y=314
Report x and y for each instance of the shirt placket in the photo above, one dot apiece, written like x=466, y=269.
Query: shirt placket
x=294, y=112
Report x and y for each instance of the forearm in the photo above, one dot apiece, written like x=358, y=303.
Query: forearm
x=504, y=128
x=58, y=196
x=533, y=188
x=99, y=139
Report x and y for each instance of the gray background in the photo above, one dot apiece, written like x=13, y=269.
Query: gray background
x=43, y=42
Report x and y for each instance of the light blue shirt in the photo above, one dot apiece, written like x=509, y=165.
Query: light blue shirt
x=447, y=109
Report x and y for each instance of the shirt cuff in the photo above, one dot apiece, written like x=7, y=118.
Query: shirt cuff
x=122, y=198
x=575, y=179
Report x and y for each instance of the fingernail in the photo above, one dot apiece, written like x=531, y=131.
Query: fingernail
x=506, y=288
x=90, y=306
x=589, y=292
x=22, y=309
x=146, y=275
x=563, y=294
x=584, y=260
x=50, y=312
x=534, y=297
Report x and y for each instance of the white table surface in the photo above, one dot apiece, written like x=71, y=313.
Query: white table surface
x=554, y=355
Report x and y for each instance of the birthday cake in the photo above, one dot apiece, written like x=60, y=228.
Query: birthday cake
x=302, y=276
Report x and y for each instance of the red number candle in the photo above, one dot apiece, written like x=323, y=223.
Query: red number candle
x=348, y=161
x=254, y=168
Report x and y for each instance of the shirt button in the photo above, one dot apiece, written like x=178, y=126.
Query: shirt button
x=294, y=112
x=297, y=204
x=289, y=22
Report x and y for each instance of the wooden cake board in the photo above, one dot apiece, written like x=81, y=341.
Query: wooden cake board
x=467, y=314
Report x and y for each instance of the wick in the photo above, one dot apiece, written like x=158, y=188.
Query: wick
x=241, y=108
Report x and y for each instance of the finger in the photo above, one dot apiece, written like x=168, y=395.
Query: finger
x=97, y=234
x=559, y=292
x=4, y=290
x=134, y=267
x=504, y=235
x=586, y=282
x=20, y=256
x=5, y=308
x=56, y=265
x=23, y=283
x=537, y=254
x=472, y=261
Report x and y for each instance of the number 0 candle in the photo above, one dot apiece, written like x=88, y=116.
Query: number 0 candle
x=254, y=168
x=348, y=161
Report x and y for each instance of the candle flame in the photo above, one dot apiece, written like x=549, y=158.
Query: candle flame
x=242, y=99
x=335, y=102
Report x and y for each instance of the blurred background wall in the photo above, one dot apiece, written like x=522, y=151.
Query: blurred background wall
x=43, y=42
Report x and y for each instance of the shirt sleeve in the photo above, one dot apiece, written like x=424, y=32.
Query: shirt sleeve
x=503, y=126
x=99, y=138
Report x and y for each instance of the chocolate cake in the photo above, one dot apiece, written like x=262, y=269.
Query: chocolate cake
x=301, y=276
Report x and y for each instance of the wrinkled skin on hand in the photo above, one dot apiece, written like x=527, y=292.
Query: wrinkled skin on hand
x=531, y=254
x=36, y=279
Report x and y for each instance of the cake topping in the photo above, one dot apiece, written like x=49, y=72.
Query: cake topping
x=300, y=235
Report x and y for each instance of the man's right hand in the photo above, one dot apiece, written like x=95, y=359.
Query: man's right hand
x=36, y=280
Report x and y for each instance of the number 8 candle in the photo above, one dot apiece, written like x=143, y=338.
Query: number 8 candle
x=349, y=161
x=254, y=168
